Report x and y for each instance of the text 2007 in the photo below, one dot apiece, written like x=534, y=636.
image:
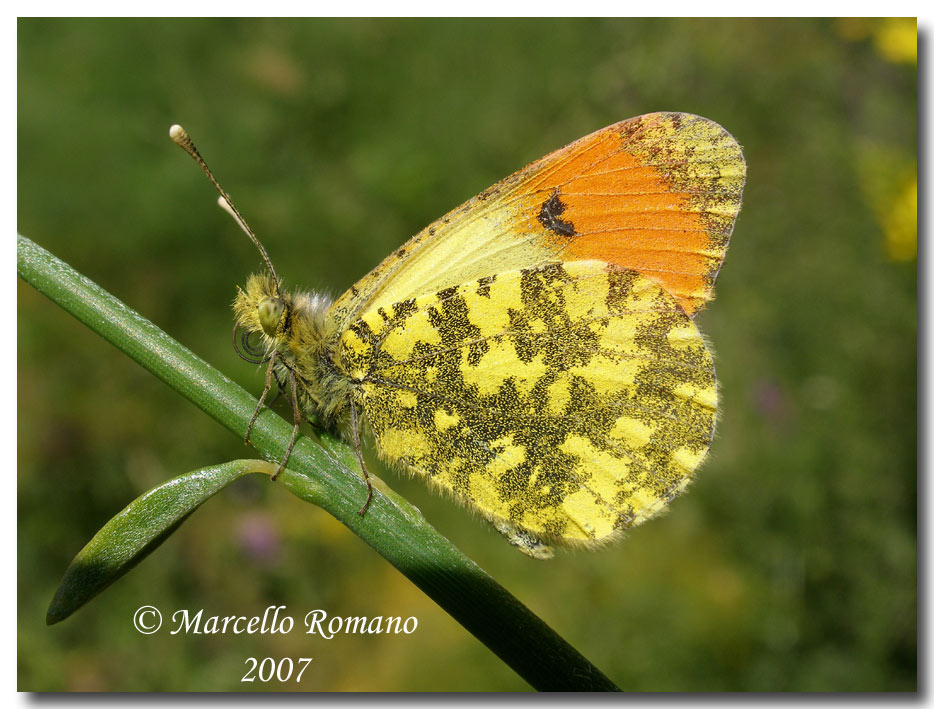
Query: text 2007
x=269, y=669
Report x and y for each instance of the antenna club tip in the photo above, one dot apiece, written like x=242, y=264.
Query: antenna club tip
x=178, y=134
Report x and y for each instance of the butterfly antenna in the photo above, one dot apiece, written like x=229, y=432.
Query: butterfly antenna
x=181, y=138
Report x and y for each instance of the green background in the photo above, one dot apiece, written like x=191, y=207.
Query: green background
x=791, y=562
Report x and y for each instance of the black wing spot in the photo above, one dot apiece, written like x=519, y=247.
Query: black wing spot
x=550, y=216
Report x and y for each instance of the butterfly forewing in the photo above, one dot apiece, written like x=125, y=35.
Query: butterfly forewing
x=657, y=194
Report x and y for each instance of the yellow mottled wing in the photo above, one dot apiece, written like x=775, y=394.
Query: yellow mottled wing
x=568, y=401
x=657, y=194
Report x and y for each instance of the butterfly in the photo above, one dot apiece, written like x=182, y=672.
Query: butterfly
x=533, y=352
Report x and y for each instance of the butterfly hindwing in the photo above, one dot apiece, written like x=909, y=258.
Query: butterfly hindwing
x=568, y=401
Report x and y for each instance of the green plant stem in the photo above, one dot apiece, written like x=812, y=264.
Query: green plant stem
x=395, y=529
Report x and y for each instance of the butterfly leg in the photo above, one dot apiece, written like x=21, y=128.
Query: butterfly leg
x=356, y=442
x=280, y=387
x=296, y=420
x=270, y=372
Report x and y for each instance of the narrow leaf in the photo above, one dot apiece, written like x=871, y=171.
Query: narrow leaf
x=135, y=532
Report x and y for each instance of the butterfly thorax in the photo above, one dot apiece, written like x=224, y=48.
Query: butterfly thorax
x=296, y=328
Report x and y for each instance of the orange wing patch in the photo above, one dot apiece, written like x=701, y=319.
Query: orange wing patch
x=658, y=194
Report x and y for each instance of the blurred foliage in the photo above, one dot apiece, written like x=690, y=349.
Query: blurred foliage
x=791, y=562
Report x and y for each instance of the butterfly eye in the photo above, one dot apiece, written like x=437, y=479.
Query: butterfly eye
x=270, y=312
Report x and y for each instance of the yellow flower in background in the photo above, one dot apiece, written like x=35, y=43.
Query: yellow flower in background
x=889, y=182
x=895, y=38
x=900, y=223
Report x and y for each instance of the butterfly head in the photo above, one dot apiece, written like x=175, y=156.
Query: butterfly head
x=290, y=323
x=261, y=309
